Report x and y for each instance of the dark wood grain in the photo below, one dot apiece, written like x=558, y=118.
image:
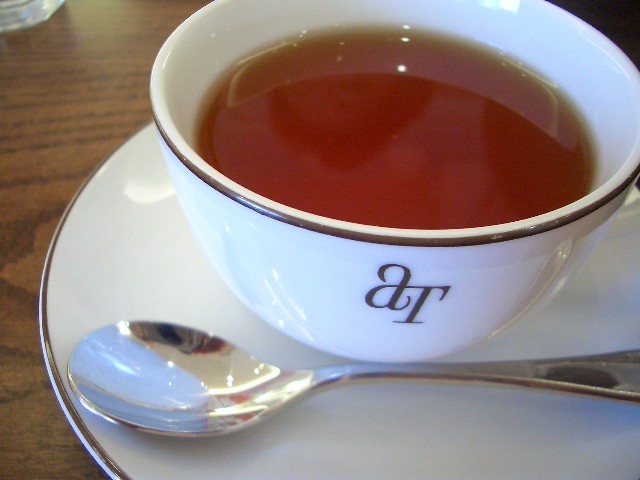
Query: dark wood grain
x=71, y=91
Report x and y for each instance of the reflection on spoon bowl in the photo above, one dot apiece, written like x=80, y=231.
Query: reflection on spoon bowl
x=174, y=380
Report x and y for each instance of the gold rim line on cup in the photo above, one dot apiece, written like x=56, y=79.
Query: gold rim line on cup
x=440, y=238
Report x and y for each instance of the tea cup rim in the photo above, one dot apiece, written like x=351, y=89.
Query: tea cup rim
x=611, y=189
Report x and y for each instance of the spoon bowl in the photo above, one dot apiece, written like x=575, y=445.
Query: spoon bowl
x=175, y=380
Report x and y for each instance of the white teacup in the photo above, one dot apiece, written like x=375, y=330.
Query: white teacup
x=384, y=294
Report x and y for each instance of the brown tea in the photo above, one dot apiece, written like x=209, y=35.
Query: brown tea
x=397, y=128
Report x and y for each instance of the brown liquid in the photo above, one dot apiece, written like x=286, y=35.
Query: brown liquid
x=392, y=128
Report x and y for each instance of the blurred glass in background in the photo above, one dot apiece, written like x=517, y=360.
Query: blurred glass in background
x=18, y=14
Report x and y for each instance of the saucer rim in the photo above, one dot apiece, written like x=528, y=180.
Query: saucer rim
x=83, y=430
x=91, y=444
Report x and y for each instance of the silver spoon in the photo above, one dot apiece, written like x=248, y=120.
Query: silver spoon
x=175, y=380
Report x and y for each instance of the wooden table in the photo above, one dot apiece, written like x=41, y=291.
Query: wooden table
x=71, y=91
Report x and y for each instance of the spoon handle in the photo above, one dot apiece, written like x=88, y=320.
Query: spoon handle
x=615, y=376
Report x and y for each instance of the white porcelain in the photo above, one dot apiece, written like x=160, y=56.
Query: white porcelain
x=386, y=294
x=146, y=264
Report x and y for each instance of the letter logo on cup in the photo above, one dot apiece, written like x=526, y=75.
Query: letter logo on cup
x=401, y=295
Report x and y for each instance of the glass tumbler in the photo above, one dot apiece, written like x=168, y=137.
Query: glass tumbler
x=18, y=14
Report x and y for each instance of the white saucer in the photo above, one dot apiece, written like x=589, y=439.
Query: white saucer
x=123, y=251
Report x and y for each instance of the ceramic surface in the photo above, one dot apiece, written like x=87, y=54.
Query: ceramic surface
x=123, y=251
x=383, y=294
